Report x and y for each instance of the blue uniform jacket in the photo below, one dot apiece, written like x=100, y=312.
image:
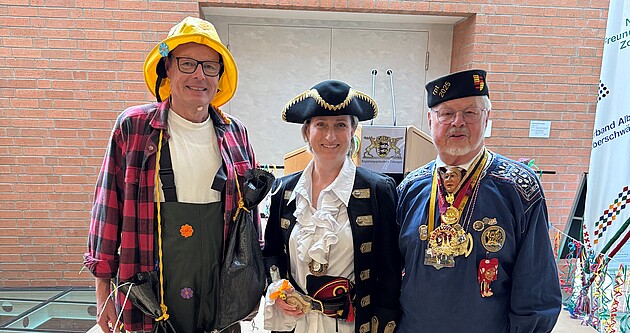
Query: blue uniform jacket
x=526, y=296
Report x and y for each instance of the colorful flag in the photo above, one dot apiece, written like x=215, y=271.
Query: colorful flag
x=607, y=207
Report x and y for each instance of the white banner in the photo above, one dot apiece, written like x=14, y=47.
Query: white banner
x=607, y=208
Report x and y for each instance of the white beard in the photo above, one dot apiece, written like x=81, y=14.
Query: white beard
x=458, y=151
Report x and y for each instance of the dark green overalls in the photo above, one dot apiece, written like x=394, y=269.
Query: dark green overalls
x=192, y=243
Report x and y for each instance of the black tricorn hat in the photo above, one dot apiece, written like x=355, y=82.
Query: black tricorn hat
x=329, y=98
x=457, y=85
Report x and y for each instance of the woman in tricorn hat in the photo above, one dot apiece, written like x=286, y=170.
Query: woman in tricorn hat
x=331, y=231
x=166, y=193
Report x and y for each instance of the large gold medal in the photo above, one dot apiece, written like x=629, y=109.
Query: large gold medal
x=446, y=243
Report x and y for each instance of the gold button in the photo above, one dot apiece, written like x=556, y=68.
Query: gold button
x=389, y=328
x=374, y=324
x=364, y=221
x=365, y=275
x=366, y=247
x=363, y=193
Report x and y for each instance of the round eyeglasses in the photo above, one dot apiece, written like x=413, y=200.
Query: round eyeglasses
x=189, y=66
x=471, y=115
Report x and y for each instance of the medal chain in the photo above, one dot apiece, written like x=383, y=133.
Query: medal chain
x=471, y=208
x=469, y=212
x=472, y=178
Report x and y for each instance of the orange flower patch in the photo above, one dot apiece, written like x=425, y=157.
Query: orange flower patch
x=186, y=230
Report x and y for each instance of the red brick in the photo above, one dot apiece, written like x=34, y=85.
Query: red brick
x=539, y=69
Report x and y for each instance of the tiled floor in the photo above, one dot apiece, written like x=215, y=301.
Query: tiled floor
x=566, y=324
x=56, y=309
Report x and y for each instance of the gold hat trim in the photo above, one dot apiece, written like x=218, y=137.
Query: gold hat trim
x=313, y=93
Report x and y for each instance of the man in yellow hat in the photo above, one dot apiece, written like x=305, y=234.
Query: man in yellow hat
x=166, y=193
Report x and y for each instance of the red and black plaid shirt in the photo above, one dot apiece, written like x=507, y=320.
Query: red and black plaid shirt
x=121, y=239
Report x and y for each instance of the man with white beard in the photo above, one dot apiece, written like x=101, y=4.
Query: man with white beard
x=474, y=228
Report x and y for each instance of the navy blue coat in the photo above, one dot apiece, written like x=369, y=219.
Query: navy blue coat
x=377, y=261
x=527, y=294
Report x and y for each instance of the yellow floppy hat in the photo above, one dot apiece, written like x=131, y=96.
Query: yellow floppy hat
x=190, y=30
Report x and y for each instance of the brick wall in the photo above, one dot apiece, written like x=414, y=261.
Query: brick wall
x=69, y=67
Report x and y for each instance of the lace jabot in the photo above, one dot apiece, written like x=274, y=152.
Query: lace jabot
x=319, y=227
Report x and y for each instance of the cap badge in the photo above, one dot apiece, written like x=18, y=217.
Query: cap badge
x=479, y=82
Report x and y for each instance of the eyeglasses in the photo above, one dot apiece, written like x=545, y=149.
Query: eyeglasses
x=189, y=66
x=471, y=115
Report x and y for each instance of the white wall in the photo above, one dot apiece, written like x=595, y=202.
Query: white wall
x=283, y=53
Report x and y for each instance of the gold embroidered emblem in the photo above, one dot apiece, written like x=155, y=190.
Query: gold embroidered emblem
x=374, y=324
x=364, y=221
x=389, y=328
x=365, y=301
x=366, y=247
x=363, y=193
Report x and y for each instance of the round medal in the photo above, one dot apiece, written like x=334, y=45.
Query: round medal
x=317, y=268
x=493, y=238
x=478, y=225
x=451, y=215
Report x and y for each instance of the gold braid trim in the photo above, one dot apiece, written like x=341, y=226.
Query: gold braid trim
x=368, y=99
x=313, y=93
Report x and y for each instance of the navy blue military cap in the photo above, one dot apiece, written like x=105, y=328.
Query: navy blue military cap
x=457, y=85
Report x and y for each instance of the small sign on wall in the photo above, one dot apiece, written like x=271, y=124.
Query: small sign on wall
x=539, y=128
x=383, y=148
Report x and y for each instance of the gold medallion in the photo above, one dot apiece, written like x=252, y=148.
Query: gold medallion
x=316, y=268
x=451, y=215
x=478, y=225
x=493, y=238
x=423, y=231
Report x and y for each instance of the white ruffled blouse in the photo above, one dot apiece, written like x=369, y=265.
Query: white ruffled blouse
x=321, y=234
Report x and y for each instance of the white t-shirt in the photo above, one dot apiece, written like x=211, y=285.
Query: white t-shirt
x=195, y=157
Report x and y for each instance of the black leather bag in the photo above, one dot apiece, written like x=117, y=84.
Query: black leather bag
x=243, y=279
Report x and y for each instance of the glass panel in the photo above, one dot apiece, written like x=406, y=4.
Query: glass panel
x=41, y=295
x=87, y=296
x=10, y=309
x=65, y=317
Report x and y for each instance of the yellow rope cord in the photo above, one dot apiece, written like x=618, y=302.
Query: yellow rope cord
x=163, y=306
x=241, y=204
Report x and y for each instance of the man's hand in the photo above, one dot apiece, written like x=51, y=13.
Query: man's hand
x=105, y=309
